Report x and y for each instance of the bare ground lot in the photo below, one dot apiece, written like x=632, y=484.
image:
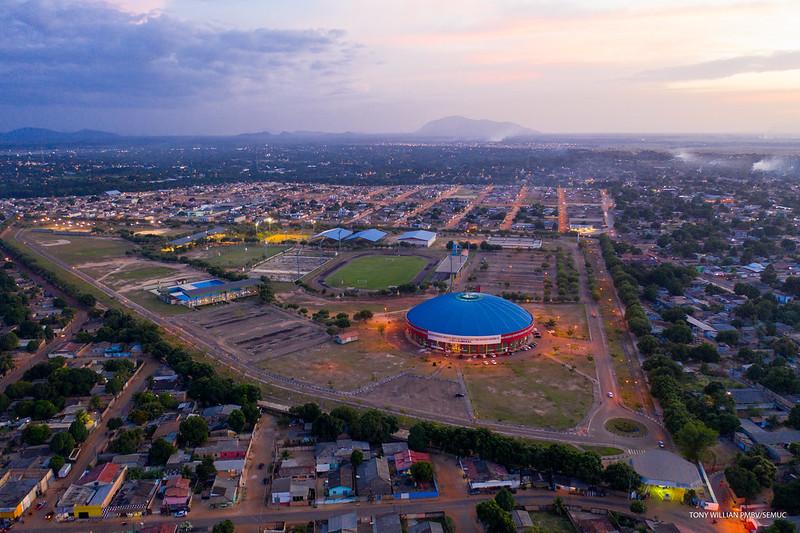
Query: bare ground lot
x=523, y=271
x=414, y=393
x=254, y=331
x=529, y=390
x=377, y=354
x=570, y=319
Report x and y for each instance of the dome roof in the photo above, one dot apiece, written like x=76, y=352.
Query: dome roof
x=473, y=314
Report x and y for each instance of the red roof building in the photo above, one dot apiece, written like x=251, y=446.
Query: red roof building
x=405, y=459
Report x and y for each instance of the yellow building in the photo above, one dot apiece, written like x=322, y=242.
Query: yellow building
x=93, y=492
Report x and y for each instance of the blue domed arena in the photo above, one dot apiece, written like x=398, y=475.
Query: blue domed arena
x=470, y=323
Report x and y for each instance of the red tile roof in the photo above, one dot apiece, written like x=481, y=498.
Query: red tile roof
x=102, y=474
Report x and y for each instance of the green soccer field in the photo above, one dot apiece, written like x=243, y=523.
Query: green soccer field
x=377, y=272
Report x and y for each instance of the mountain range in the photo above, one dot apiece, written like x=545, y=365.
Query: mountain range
x=454, y=128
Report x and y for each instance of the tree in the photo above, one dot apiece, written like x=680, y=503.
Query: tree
x=127, y=441
x=758, y=462
x=781, y=526
x=648, y=344
x=418, y=439
x=494, y=518
x=87, y=299
x=327, y=427
x=376, y=427
x=95, y=402
x=226, y=526
x=621, y=476
x=743, y=482
x=6, y=364
x=422, y=472
x=265, y=292
x=55, y=464
x=729, y=337
x=78, y=430
x=115, y=384
x=505, y=499
x=251, y=413
x=206, y=470
x=308, y=412
x=787, y=497
x=679, y=332
x=694, y=438
x=9, y=341
x=794, y=417
x=356, y=458
x=236, y=420
x=35, y=434
x=62, y=443
x=115, y=423
x=160, y=452
x=638, y=507
x=193, y=431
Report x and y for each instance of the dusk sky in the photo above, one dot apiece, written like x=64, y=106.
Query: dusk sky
x=207, y=66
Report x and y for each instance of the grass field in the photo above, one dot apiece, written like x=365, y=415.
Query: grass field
x=540, y=393
x=626, y=427
x=603, y=451
x=377, y=271
x=237, y=255
x=78, y=250
x=552, y=523
x=64, y=277
x=150, y=301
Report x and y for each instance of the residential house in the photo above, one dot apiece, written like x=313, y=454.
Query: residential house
x=339, y=482
x=177, y=496
x=373, y=479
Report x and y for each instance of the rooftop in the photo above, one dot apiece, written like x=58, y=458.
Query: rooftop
x=469, y=314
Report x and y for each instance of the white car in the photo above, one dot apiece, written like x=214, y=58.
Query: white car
x=610, y=394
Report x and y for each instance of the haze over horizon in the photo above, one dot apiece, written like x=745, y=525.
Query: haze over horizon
x=198, y=67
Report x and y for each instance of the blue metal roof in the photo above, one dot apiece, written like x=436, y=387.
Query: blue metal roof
x=418, y=234
x=337, y=234
x=469, y=314
x=371, y=235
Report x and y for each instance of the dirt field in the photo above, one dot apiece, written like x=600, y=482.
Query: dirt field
x=570, y=319
x=255, y=331
x=415, y=393
x=520, y=271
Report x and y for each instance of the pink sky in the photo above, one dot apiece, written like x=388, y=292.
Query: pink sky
x=556, y=66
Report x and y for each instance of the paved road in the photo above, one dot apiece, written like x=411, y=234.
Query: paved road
x=453, y=222
x=609, y=408
x=522, y=195
x=563, y=218
x=96, y=441
x=671, y=512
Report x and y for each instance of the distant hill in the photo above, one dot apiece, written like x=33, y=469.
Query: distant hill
x=462, y=128
x=41, y=136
